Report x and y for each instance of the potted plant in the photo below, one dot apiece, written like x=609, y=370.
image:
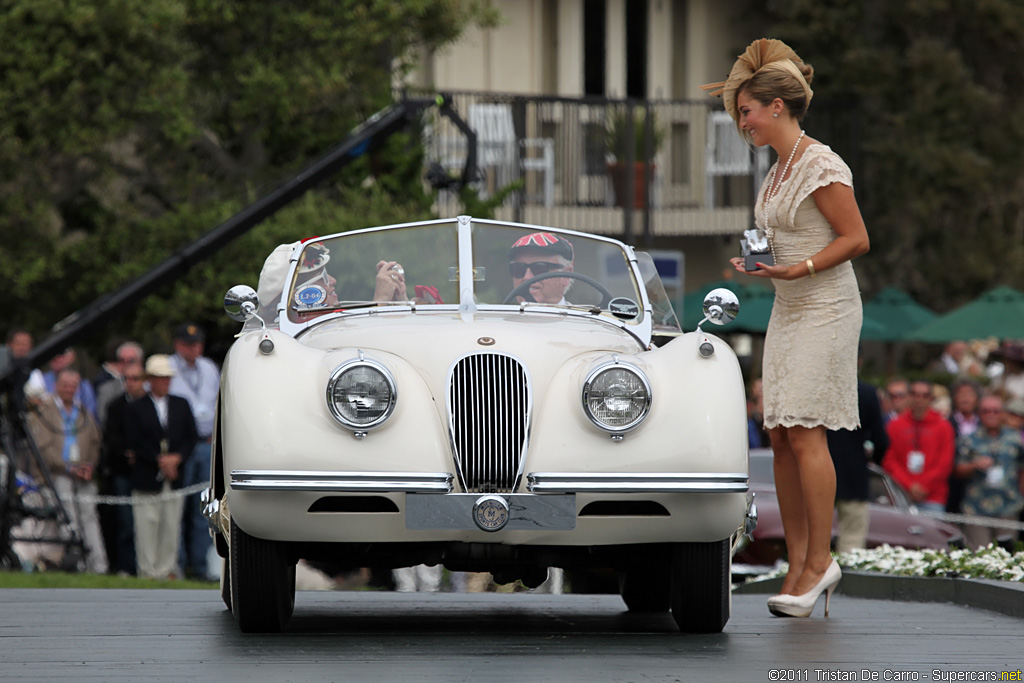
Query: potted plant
x=626, y=144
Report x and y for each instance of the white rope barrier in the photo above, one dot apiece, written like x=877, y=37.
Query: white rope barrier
x=975, y=520
x=129, y=500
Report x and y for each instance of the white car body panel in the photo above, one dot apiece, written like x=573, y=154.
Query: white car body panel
x=279, y=450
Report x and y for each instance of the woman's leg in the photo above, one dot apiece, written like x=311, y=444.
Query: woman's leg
x=818, y=488
x=789, y=492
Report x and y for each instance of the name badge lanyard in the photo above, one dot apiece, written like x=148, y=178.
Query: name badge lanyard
x=70, y=419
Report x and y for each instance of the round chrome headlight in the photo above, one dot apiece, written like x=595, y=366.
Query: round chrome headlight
x=361, y=394
x=616, y=397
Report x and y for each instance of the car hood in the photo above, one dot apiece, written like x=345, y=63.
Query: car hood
x=428, y=336
x=430, y=344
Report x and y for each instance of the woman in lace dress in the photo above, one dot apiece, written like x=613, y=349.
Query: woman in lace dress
x=807, y=208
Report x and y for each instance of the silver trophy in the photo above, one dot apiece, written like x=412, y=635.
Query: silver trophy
x=755, y=249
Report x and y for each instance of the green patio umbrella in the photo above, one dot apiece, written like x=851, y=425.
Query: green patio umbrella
x=891, y=314
x=997, y=313
x=872, y=330
x=755, y=307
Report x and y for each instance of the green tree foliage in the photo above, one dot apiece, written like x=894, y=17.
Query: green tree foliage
x=930, y=89
x=131, y=127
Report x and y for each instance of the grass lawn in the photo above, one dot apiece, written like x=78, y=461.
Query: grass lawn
x=63, y=580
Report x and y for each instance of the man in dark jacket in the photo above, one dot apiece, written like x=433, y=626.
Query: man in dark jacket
x=851, y=451
x=160, y=433
x=121, y=535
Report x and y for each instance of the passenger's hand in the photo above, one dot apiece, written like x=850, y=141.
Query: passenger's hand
x=390, y=282
x=982, y=463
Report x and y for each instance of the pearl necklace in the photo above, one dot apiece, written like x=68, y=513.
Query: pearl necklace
x=773, y=191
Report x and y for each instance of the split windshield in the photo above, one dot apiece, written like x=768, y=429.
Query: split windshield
x=511, y=265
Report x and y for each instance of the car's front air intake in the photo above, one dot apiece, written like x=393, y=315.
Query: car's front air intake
x=489, y=420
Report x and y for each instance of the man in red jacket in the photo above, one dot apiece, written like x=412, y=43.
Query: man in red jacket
x=921, y=448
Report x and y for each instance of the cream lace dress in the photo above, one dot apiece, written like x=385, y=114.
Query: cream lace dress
x=810, y=350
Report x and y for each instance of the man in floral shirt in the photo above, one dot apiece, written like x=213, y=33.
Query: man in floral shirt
x=991, y=462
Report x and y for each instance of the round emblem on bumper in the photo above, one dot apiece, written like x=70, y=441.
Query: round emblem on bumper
x=490, y=512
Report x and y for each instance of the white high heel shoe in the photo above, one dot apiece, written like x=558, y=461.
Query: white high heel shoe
x=803, y=605
x=773, y=608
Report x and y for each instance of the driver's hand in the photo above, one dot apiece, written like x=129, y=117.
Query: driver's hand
x=390, y=282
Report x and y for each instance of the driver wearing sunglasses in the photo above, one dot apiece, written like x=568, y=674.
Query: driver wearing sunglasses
x=539, y=253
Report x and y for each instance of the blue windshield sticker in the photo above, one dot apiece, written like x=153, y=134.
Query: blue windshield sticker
x=310, y=295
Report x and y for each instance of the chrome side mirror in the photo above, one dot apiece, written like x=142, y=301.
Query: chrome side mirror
x=721, y=306
x=241, y=303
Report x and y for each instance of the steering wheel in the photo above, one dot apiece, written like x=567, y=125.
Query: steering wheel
x=523, y=289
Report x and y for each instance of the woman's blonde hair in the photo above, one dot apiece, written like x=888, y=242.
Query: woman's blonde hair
x=767, y=70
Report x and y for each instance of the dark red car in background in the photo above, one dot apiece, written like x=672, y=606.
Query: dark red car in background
x=894, y=519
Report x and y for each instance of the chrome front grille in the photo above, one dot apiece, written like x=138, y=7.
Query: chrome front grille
x=489, y=421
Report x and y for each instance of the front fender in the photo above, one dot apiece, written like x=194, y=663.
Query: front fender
x=697, y=421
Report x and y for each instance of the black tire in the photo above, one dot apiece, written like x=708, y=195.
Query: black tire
x=262, y=583
x=225, y=583
x=701, y=586
x=647, y=588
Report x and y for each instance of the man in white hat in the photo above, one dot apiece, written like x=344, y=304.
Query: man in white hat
x=160, y=434
x=197, y=380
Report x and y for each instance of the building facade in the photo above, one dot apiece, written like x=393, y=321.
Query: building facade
x=592, y=109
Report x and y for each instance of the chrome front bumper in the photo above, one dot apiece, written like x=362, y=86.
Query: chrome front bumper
x=342, y=482
x=616, y=482
x=441, y=482
x=431, y=505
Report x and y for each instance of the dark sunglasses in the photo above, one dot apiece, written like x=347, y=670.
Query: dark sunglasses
x=518, y=269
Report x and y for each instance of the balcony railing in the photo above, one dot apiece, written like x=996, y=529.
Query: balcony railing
x=579, y=164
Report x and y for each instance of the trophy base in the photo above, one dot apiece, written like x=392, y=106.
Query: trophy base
x=750, y=261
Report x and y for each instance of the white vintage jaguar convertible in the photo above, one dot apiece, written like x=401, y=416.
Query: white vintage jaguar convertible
x=488, y=396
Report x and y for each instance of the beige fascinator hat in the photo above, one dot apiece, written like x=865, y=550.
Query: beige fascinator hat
x=762, y=55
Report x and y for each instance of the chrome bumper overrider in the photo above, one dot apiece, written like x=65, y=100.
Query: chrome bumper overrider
x=210, y=508
x=615, y=482
x=342, y=482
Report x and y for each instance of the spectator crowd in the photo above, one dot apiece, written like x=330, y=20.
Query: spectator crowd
x=120, y=451
x=139, y=433
x=953, y=438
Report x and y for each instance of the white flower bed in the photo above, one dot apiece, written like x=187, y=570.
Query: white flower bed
x=991, y=562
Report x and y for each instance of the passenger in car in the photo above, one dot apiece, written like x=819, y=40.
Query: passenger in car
x=315, y=286
x=539, y=253
x=389, y=284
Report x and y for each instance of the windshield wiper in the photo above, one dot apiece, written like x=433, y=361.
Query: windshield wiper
x=593, y=309
x=352, y=305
